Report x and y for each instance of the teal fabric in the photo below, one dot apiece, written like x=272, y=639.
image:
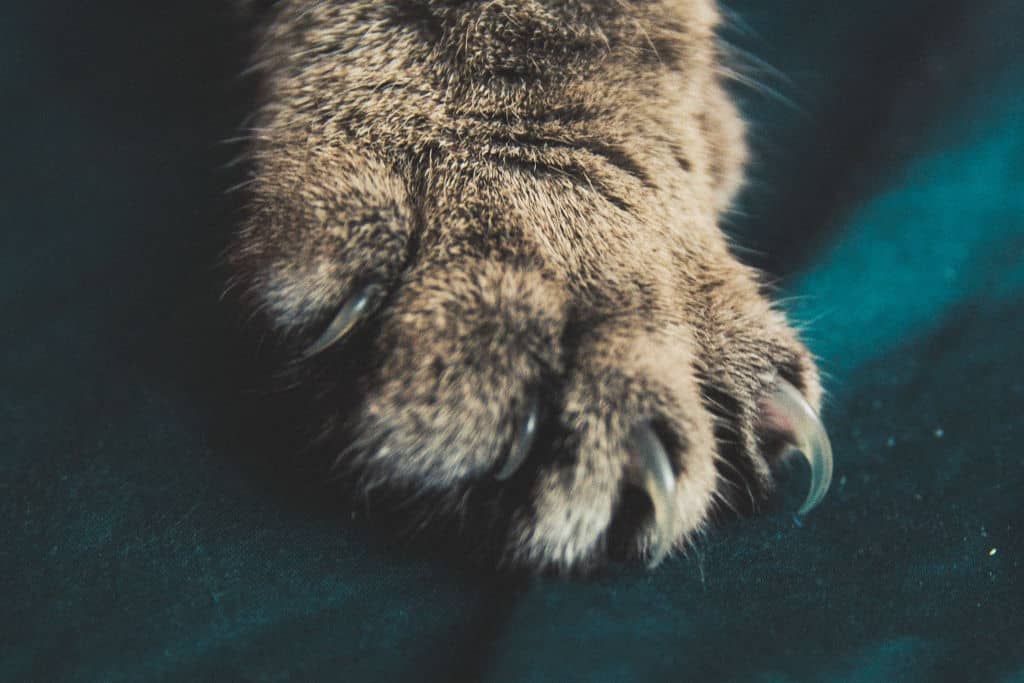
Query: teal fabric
x=143, y=537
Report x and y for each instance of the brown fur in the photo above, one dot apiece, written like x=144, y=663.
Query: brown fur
x=538, y=186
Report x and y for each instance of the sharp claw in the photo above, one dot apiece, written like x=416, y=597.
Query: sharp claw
x=787, y=411
x=653, y=472
x=355, y=309
x=522, y=440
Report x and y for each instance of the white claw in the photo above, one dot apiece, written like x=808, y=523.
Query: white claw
x=522, y=442
x=652, y=471
x=788, y=413
x=354, y=310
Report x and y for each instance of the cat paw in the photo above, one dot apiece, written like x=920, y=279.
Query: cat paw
x=604, y=409
x=484, y=238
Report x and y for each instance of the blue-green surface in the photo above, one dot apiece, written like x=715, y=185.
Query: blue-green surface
x=138, y=543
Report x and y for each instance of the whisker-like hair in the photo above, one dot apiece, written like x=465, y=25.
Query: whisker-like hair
x=760, y=87
x=734, y=21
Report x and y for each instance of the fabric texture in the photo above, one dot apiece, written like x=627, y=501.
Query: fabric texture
x=143, y=539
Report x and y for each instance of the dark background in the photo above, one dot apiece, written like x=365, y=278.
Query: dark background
x=146, y=537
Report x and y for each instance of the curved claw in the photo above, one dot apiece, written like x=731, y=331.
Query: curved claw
x=355, y=309
x=788, y=413
x=653, y=472
x=522, y=440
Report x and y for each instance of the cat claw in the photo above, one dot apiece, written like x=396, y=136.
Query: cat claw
x=650, y=470
x=522, y=439
x=787, y=412
x=357, y=308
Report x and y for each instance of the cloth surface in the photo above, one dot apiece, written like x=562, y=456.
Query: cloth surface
x=139, y=543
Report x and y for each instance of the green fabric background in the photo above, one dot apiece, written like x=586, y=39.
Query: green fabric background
x=143, y=539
